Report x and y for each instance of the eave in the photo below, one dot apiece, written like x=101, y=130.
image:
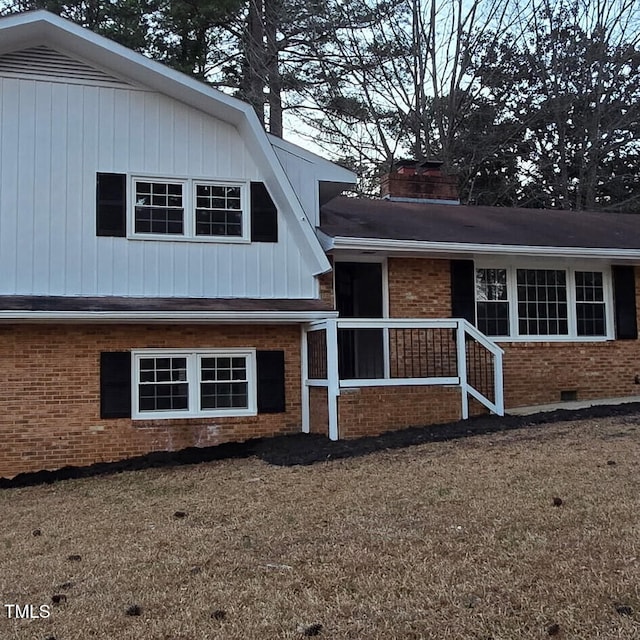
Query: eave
x=445, y=249
x=154, y=317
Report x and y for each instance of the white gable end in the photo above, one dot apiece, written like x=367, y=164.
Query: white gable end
x=55, y=140
x=116, y=112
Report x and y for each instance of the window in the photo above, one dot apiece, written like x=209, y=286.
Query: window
x=188, y=209
x=179, y=384
x=492, y=303
x=539, y=302
x=542, y=302
x=159, y=207
x=218, y=210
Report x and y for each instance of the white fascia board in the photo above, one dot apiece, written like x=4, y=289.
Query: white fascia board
x=325, y=169
x=38, y=27
x=167, y=317
x=419, y=246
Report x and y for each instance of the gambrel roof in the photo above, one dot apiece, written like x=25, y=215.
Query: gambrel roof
x=31, y=37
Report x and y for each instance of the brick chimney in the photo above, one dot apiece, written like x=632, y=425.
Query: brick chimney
x=410, y=181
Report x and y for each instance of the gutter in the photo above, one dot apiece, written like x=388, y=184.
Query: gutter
x=166, y=317
x=422, y=246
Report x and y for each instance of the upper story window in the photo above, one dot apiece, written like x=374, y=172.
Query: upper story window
x=218, y=210
x=554, y=303
x=159, y=207
x=190, y=209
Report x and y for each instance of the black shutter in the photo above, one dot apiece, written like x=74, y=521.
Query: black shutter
x=270, y=366
x=264, y=215
x=463, y=290
x=115, y=384
x=111, y=204
x=624, y=295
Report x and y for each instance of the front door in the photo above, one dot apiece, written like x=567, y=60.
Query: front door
x=358, y=287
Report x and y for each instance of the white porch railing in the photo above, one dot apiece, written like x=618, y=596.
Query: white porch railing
x=357, y=352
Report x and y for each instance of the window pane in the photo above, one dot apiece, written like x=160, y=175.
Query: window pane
x=493, y=318
x=542, y=308
x=217, y=391
x=492, y=307
x=219, y=211
x=590, y=319
x=163, y=384
x=159, y=208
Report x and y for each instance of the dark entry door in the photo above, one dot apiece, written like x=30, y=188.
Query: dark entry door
x=359, y=295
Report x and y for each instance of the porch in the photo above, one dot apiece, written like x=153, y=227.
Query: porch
x=339, y=355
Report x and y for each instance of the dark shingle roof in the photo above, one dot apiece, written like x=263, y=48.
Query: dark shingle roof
x=364, y=218
x=127, y=304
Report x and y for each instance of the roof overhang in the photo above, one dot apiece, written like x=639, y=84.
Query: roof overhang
x=23, y=30
x=421, y=248
x=166, y=317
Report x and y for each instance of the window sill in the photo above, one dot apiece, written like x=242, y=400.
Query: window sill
x=182, y=415
x=192, y=239
x=538, y=340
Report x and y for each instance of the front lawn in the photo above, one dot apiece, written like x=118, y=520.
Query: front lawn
x=529, y=533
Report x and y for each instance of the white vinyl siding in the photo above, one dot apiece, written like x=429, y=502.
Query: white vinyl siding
x=60, y=136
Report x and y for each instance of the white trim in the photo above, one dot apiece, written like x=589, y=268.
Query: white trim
x=422, y=246
x=189, y=205
x=194, y=357
x=398, y=382
x=305, y=399
x=154, y=317
x=511, y=267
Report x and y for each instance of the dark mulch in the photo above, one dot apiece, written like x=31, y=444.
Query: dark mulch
x=306, y=449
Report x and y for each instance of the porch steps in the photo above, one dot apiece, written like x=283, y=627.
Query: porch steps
x=579, y=404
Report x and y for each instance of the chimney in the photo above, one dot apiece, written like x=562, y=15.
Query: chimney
x=410, y=181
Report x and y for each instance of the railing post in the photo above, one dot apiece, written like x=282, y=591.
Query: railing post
x=462, y=367
x=498, y=383
x=333, y=378
x=304, y=395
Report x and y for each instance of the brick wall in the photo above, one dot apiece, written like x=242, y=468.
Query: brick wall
x=50, y=400
x=373, y=410
x=419, y=288
x=318, y=410
x=536, y=373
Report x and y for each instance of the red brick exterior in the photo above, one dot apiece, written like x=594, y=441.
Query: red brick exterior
x=434, y=186
x=419, y=288
x=50, y=393
x=373, y=410
x=534, y=372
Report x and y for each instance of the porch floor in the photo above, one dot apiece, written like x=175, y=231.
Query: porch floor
x=579, y=404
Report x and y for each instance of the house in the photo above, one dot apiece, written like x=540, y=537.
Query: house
x=174, y=277
x=158, y=255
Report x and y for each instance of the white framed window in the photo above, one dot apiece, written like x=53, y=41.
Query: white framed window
x=186, y=383
x=189, y=209
x=543, y=302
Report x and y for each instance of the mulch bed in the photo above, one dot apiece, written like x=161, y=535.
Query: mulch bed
x=306, y=449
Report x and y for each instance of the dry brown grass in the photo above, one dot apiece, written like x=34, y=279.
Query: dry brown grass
x=450, y=540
